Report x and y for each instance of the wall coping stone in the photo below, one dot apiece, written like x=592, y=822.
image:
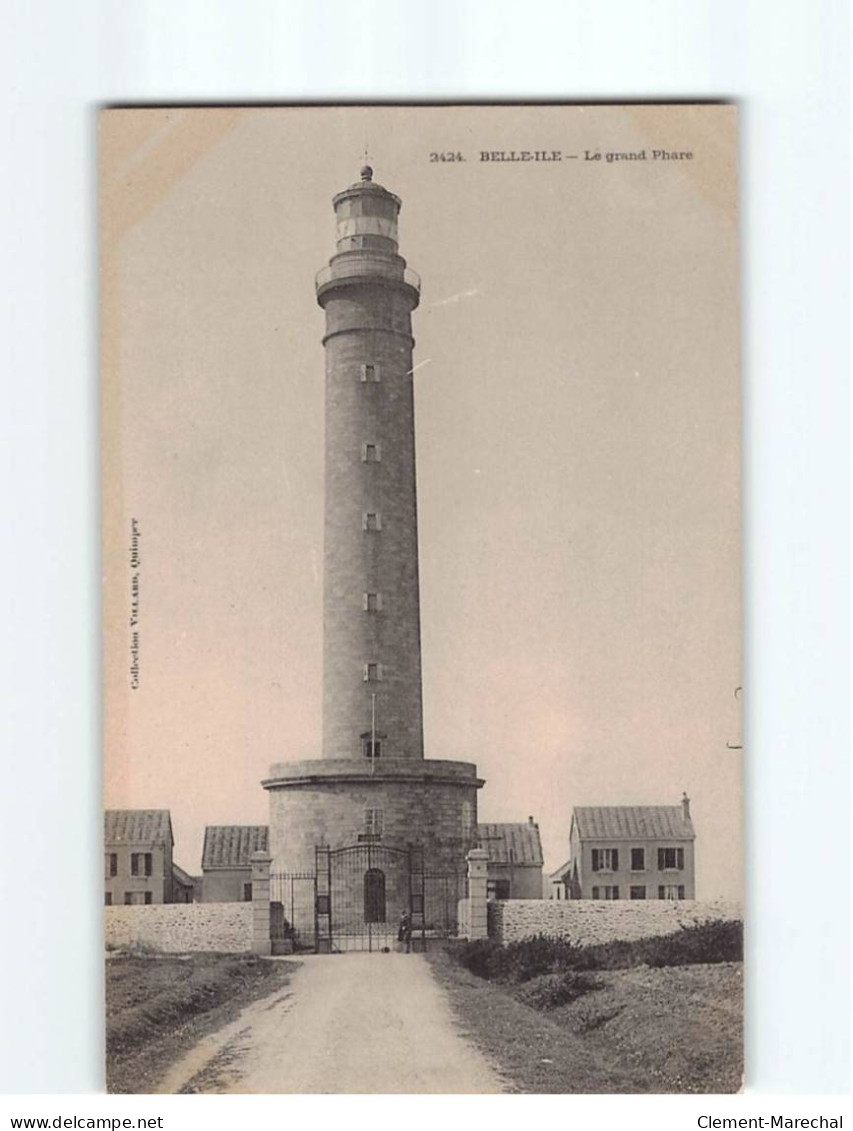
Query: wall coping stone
x=408, y=771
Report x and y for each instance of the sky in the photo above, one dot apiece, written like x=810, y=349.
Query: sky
x=577, y=408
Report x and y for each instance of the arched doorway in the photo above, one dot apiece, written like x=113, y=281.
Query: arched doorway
x=374, y=896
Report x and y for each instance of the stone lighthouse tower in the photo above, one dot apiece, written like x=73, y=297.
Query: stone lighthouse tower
x=372, y=790
x=371, y=615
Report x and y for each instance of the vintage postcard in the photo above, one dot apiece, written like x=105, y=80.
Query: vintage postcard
x=421, y=431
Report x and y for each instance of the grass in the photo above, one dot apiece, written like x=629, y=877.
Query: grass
x=158, y=1006
x=658, y=1015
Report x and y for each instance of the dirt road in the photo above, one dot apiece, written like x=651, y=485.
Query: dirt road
x=347, y=1023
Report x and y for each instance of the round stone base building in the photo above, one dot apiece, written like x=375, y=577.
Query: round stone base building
x=430, y=805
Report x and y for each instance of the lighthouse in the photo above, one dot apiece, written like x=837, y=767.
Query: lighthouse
x=370, y=803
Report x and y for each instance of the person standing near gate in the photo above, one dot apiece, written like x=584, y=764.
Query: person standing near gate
x=404, y=934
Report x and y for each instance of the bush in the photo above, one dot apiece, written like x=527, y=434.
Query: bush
x=518, y=962
x=481, y=957
x=540, y=955
x=553, y=990
x=715, y=941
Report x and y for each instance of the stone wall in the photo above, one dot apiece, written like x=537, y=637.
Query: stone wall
x=176, y=928
x=588, y=921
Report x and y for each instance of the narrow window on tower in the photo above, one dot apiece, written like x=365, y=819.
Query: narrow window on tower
x=371, y=453
x=371, y=602
x=370, y=373
x=371, y=520
x=371, y=745
x=372, y=673
x=373, y=822
x=467, y=820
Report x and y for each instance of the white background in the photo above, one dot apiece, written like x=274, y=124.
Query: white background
x=786, y=63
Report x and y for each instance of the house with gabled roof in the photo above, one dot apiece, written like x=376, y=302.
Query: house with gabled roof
x=632, y=852
x=226, y=861
x=185, y=888
x=514, y=859
x=138, y=848
x=558, y=884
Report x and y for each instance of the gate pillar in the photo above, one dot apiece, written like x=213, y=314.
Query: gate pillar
x=323, y=899
x=478, y=927
x=261, y=943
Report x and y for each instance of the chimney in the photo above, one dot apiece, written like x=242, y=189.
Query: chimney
x=531, y=822
x=685, y=806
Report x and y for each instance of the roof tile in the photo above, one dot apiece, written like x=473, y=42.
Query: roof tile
x=623, y=822
x=231, y=846
x=511, y=843
x=137, y=826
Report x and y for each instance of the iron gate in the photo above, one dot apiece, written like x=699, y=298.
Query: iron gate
x=292, y=920
x=442, y=893
x=363, y=891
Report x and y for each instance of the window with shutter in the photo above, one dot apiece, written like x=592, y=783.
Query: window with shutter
x=661, y=892
x=681, y=891
x=638, y=860
x=371, y=602
x=605, y=860
x=370, y=373
x=371, y=520
x=595, y=893
x=615, y=891
x=670, y=858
